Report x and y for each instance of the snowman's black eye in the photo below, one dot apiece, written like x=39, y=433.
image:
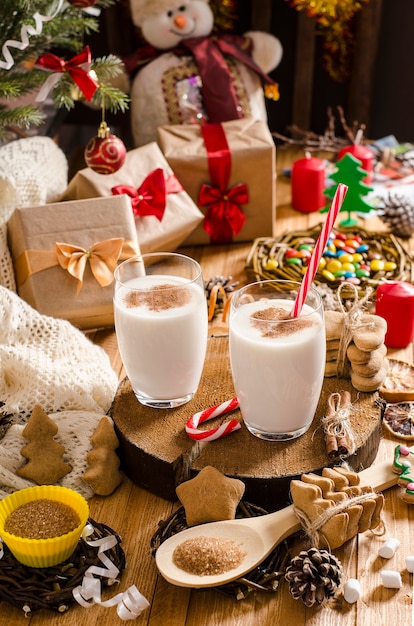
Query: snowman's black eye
x=182, y=8
x=169, y=13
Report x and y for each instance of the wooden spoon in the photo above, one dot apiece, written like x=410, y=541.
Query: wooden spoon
x=255, y=536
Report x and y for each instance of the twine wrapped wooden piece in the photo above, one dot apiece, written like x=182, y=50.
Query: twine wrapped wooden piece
x=266, y=259
x=339, y=437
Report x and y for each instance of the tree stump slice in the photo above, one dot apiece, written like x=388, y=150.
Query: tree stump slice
x=157, y=454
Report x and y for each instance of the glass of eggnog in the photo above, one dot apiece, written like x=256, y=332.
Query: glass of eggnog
x=161, y=326
x=277, y=361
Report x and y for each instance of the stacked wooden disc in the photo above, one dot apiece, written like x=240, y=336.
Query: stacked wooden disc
x=157, y=454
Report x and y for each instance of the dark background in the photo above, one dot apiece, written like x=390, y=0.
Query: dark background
x=391, y=84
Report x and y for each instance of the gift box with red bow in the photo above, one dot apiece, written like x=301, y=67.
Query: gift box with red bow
x=163, y=211
x=229, y=171
x=64, y=255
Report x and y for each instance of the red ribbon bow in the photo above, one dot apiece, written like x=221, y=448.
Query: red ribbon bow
x=150, y=198
x=224, y=216
x=73, y=67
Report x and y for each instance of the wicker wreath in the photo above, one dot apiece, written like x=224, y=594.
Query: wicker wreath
x=264, y=577
x=30, y=589
x=266, y=259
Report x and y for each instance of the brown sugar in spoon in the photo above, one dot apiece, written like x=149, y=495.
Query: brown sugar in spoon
x=256, y=537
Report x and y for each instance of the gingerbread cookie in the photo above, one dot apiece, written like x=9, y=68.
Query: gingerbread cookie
x=355, y=355
x=210, y=496
x=371, y=383
x=370, y=334
x=319, y=503
x=103, y=474
x=45, y=465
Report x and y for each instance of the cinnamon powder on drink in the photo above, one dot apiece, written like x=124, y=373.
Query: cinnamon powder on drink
x=273, y=315
x=159, y=297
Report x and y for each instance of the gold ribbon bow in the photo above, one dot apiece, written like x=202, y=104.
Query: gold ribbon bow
x=102, y=257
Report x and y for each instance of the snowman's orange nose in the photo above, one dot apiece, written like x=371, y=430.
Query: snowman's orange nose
x=180, y=21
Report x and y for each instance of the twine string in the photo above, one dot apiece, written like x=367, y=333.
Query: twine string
x=352, y=320
x=312, y=527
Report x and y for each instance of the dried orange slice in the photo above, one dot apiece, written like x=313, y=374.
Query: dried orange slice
x=398, y=385
x=399, y=419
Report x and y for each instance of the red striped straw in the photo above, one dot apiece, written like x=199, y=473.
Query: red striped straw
x=311, y=270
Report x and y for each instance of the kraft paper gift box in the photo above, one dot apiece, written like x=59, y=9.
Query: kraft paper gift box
x=229, y=171
x=164, y=213
x=92, y=235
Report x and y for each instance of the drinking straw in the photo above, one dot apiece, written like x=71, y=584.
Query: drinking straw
x=319, y=249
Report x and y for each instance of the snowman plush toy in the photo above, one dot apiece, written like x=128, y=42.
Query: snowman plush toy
x=186, y=74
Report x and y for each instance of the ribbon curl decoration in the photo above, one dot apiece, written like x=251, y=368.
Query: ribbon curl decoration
x=26, y=31
x=129, y=604
x=102, y=257
x=151, y=196
x=224, y=216
x=77, y=67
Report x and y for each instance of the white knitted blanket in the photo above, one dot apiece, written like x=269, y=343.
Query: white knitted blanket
x=47, y=361
x=33, y=172
x=74, y=432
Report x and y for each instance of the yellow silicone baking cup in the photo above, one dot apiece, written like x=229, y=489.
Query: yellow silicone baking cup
x=43, y=552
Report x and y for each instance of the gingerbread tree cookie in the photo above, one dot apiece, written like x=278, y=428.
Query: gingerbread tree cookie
x=45, y=465
x=103, y=473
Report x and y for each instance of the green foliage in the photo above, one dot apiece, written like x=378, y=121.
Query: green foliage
x=63, y=35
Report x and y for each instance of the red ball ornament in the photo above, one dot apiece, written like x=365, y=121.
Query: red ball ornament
x=82, y=4
x=105, y=153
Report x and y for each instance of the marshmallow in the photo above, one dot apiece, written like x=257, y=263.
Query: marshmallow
x=389, y=548
x=391, y=579
x=352, y=590
x=409, y=562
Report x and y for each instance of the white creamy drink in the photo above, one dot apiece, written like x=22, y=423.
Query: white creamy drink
x=277, y=367
x=162, y=335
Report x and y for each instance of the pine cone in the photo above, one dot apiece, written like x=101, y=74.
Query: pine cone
x=398, y=213
x=314, y=576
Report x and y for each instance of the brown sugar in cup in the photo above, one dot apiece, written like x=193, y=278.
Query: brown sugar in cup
x=54, y=521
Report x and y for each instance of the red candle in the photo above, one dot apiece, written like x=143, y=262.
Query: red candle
x=364, y=155
x=395, y=303
x=308, y=184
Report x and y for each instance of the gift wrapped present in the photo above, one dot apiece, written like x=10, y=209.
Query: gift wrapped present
x=229, y=171
x=164, y=213
x=64, y=255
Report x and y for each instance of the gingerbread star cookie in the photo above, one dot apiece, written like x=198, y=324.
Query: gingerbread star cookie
x=210, y=496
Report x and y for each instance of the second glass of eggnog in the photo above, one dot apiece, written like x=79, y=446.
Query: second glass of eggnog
x=277, y=361
x=161, y=326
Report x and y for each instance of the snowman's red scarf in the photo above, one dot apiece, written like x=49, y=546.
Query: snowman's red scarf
x=209, y=53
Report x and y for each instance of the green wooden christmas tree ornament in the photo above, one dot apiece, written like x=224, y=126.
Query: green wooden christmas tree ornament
x=349, y=171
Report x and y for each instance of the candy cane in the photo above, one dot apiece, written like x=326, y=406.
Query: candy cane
x=319, y=248
x=208, y=414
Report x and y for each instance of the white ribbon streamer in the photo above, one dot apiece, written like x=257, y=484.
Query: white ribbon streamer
x=26, y=31
x=130, y=604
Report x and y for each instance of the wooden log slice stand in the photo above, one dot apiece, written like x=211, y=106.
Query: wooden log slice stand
x=157, y=454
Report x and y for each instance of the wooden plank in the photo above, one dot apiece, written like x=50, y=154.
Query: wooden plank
x=261, y=16
x=303, y=76
x=367, y=27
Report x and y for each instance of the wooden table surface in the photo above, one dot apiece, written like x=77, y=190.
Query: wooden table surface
x=135, y=513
